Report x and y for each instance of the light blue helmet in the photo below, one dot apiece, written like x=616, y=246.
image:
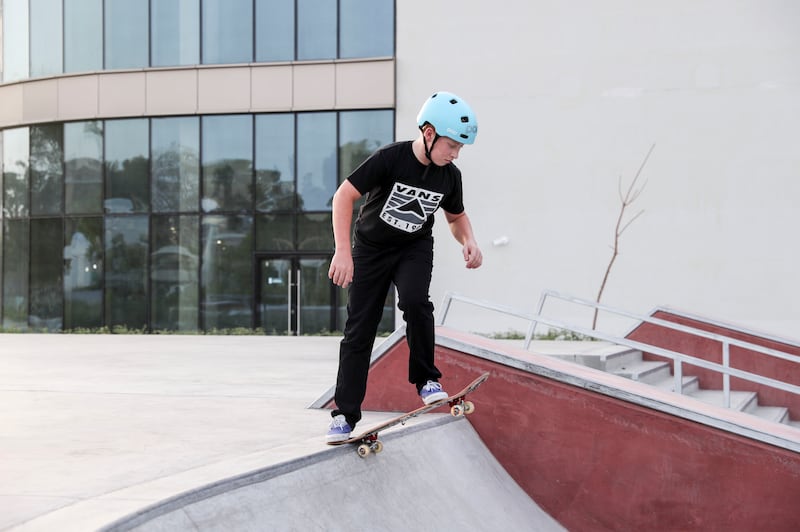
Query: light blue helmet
x=451, y=116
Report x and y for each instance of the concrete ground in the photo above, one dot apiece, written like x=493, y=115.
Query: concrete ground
x=97, y=427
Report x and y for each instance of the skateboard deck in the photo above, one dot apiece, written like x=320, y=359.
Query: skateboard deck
x=368, y=441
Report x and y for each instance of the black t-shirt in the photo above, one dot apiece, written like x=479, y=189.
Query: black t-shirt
x=402, y=195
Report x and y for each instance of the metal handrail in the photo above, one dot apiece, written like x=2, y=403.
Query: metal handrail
x=677, y=358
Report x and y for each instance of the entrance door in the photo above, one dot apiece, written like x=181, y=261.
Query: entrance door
x=295, y=295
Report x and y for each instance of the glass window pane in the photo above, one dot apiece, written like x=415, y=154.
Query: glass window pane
x=174, y=270
x=275, y=232
x=316, y=160
x=227, y=162
x=83, y=273
x=227, y=31
x=126, y=166
x=83, y=169
x=227, y=278
x=314, y=232
x=83, y=35
x=175, y=31
x=275, y=162
x=126, y=33
x=176, y=164
x=366, y=28
x=16, y=262
x=15, y=37
x=360, y=134
x=316, y=29
x=126, y=271
x=47, y=174
x=16, y=147
x=46, y=37
x=274, y=30
x=46, y=270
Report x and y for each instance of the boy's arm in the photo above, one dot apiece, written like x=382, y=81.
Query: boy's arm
x=341, y=270
x=461, y=228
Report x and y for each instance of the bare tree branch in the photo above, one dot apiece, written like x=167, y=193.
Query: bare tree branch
x=631, y=195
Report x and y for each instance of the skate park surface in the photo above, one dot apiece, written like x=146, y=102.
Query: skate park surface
x=147, y=432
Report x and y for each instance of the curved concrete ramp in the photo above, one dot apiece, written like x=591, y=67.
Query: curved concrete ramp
x=436, y=475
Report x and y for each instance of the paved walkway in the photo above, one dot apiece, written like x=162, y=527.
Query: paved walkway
x=93, y=427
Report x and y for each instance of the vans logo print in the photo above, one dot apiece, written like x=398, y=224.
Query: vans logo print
x=408, y=207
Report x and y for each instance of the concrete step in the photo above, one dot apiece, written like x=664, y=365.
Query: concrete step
x=647, y=371
x=740, y=401
x=689, y=384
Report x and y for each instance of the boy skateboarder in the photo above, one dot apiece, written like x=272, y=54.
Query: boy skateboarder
x=405, y=183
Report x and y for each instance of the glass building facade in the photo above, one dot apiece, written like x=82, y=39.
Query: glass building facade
x=181, y=222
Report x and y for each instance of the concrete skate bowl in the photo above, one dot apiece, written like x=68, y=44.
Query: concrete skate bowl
x=435, y=475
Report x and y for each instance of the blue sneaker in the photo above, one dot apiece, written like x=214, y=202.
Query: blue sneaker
x=339, y=430
x=432, y=392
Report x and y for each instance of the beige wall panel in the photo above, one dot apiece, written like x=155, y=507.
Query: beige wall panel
x=314, y=86
x=365, y=84
x=122, y=94
x=40, y=101
x=77, y=97
x=10, y=105
x=271, y=88
x=171, y=92
x=223, y=90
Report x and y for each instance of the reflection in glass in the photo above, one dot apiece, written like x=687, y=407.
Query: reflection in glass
x=366, y=28
x=126, y=143
x=46, y=272
x=83, y=35
x=227, y=31
x=360, y=134
x=226, y=276
x=316, y=164
x=47, y=176
x=126, y=271
x=274, y=30
x=315, y=296
x=15, y=37
x=83, y=273
x=314, y=232
x=275, y=232
x=46, y=37
x=176, y=164
x=227, y=162
x=275, y=162
x=174, y=269
x=316, y=29
x=16, y=262
x=275, y=298
x=16, y=144
x=83, y=156
x=126, y=27
x=175, y=32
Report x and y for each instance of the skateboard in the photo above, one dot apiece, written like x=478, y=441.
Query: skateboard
x=368, y=441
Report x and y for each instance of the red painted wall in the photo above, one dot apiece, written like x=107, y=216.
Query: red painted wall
x=599, y=463
x=743, y=359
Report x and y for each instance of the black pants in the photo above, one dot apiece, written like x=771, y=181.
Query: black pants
x=409, y=267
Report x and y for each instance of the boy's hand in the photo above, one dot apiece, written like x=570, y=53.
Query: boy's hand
x=341, y=270
x=472, y=255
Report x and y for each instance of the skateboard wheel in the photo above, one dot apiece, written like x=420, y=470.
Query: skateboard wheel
x=363, y=450
x=469, y=407
x=377, y=447
x=457, y=410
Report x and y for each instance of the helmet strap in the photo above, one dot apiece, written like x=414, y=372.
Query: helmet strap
x=425, y=143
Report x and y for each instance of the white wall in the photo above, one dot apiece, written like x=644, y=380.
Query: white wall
x=569, y=97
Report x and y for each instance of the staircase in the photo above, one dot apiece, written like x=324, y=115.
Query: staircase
x=629, y=363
